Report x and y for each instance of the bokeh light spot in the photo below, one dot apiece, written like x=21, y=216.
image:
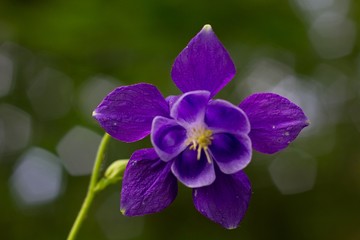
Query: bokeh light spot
x=77, y=150
x=293, y=172
x=37, y=178
x=6, y=76
x=332, y=35
x=93, y=91
x=264, y=73
x=51, y=94
x=15, y=129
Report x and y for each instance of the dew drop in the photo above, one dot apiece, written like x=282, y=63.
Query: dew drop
x=286, y=133
x=273, y=127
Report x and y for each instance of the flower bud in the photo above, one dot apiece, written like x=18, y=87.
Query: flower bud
x=116, y=169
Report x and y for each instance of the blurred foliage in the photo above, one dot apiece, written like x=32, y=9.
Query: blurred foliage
x=137, y=41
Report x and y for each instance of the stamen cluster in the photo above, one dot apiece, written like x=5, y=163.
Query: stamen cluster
x=200, y=138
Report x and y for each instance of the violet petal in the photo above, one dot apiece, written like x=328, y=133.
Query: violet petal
x=148, y=185
x=222, y=116
x=275, y=121
x=171, y=100
x=192, y=172
x=226, y=200
x=167, y=137
x=190, y=107
x=232, y=153
x=127, y=112
x=203, y=65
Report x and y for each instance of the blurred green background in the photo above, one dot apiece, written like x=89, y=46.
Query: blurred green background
x=58, y=59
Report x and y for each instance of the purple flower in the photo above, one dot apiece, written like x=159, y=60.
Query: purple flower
x=202, y=142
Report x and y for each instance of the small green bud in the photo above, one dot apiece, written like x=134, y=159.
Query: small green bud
x=113, y=174
x=116, y=169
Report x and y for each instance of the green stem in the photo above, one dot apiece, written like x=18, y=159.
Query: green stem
x=91, y=191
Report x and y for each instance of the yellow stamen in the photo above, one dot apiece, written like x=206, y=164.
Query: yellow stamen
x=199, y=139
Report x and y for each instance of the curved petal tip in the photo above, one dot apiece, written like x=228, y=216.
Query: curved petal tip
x=207, y=27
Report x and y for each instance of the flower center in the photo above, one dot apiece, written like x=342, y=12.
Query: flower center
x=199, y=139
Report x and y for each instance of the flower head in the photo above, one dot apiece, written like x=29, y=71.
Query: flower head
x=202, y=142
x=200, y=134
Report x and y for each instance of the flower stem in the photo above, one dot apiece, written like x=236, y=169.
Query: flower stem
x=91, y=191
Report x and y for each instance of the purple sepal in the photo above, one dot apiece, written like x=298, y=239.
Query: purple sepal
x=275, y=121
x=148, y=185
x=127, y=112
x=192, y=172
x=232, y=153
x=222, y=116
x=167, y=137
x=226, y=200
x=203, y=65
x=190, y=107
